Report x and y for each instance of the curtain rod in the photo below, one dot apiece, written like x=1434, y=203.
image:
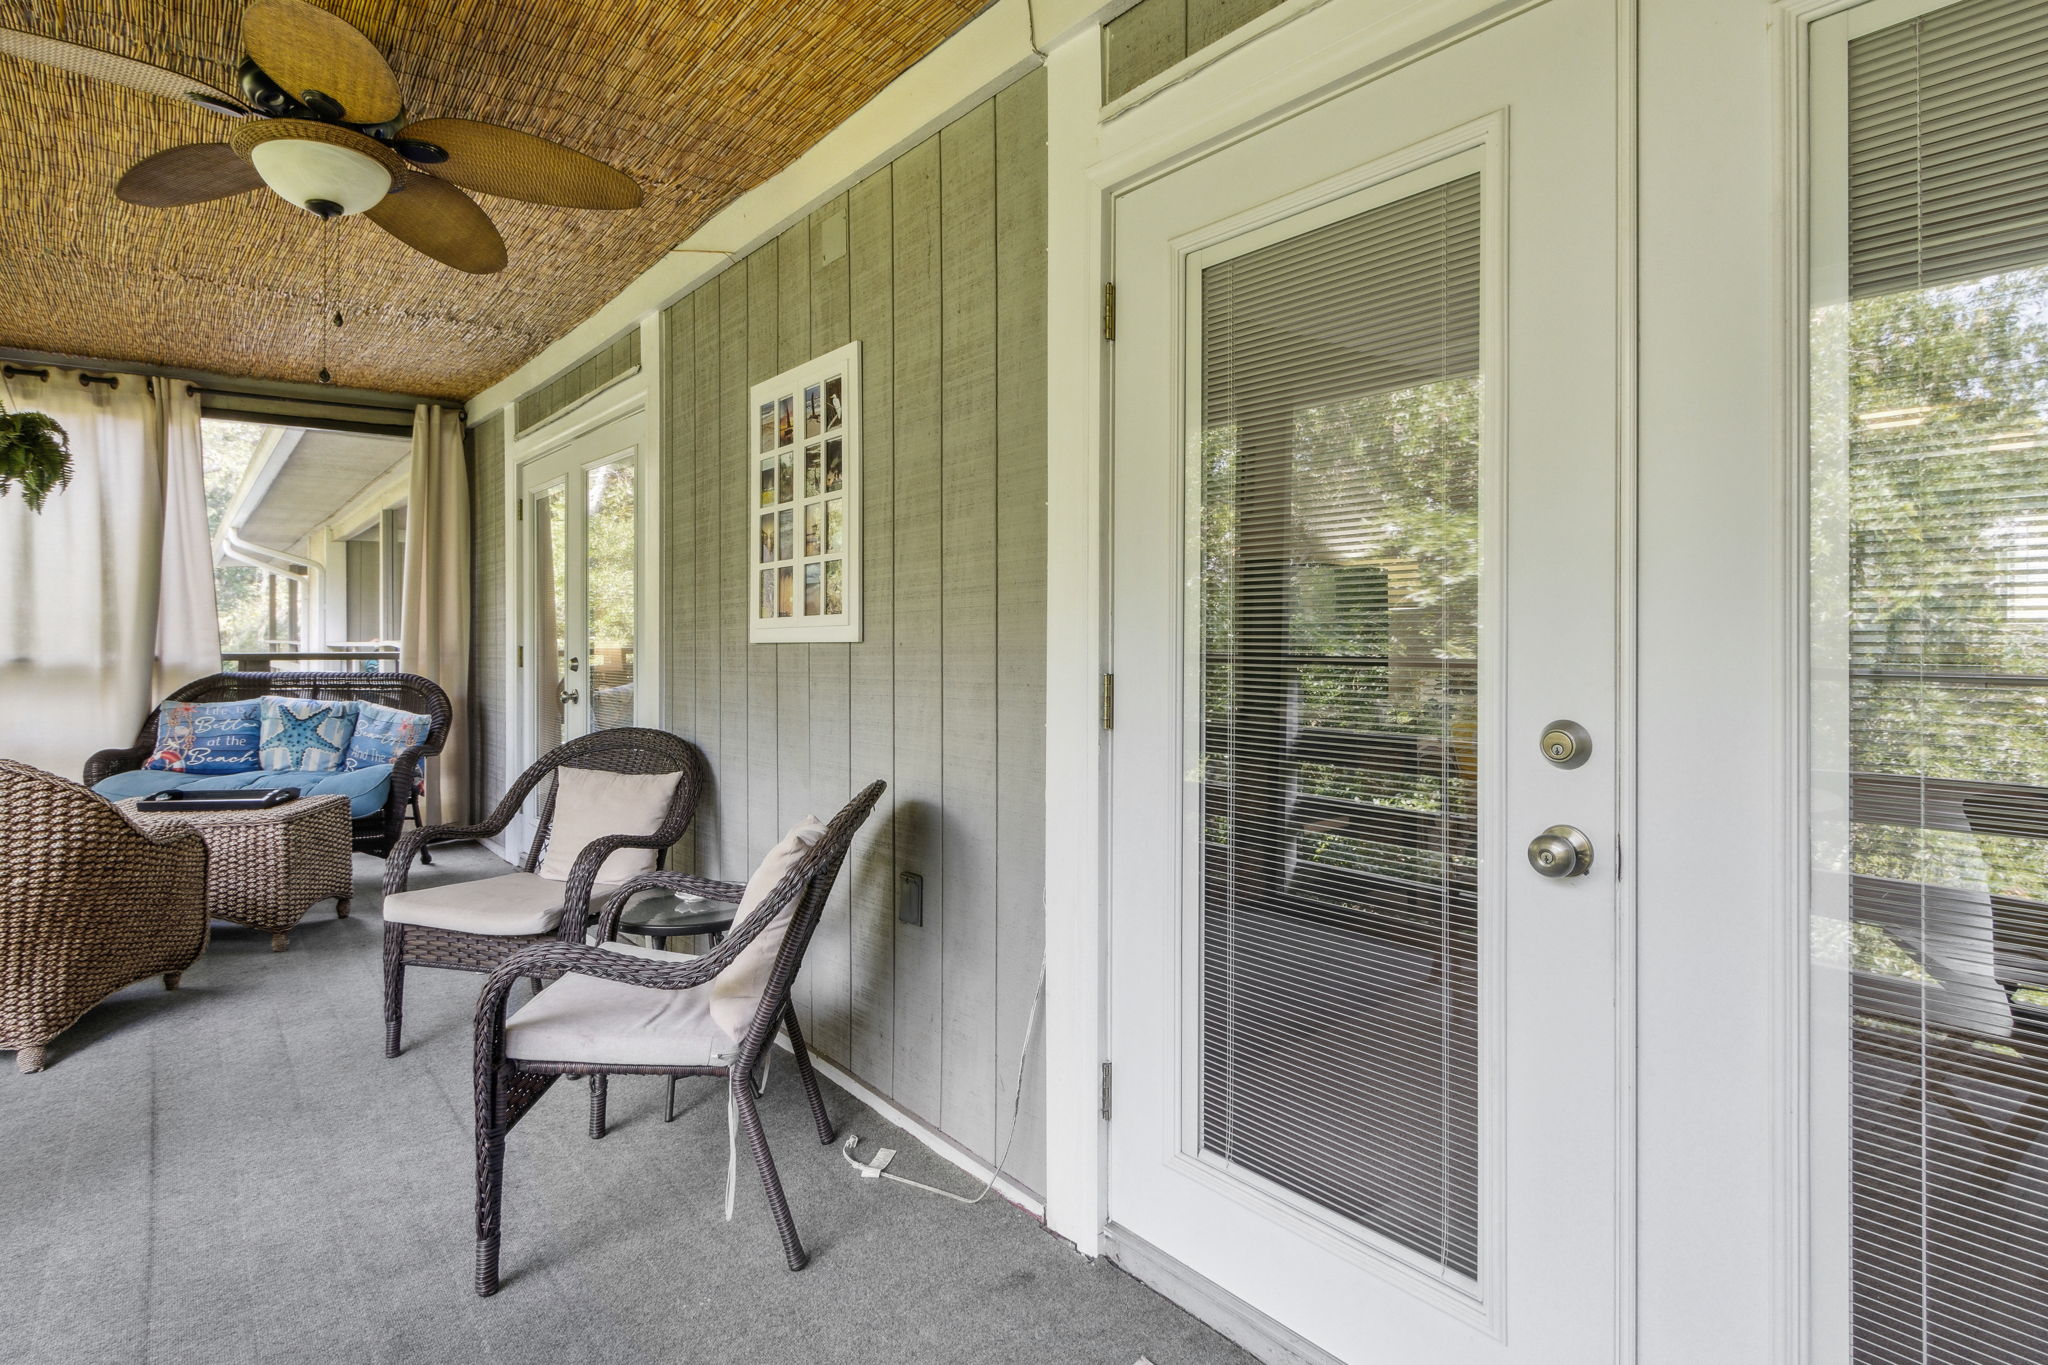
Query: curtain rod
x=210, y=382
x=112, y=381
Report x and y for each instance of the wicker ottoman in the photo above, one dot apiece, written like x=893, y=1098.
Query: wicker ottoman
x=266, y=868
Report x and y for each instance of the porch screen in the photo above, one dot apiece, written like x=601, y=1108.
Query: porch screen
x=1338, y=478
x=1930, y=631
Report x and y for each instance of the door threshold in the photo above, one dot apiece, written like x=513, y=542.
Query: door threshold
x=1265, y=1337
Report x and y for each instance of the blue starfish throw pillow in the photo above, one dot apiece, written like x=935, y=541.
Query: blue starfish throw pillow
x=306, y=736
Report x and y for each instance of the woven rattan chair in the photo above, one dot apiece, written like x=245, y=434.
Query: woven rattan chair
x=507, y=1087
x=616, y=751
x=406, y=691
x=88, y=904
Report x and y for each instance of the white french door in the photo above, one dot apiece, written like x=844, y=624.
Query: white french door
x=580, y=517
x=1365, y=1050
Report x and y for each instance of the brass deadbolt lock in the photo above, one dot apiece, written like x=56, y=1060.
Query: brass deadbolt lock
x=1566, y=744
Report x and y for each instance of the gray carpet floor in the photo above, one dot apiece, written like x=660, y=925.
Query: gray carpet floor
x=233, y=1172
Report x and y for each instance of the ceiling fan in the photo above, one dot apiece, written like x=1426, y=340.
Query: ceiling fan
x=320, y=121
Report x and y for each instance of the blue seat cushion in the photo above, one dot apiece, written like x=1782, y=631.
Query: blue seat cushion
x=366, y=788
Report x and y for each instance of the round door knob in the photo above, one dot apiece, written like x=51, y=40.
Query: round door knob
x=1561, y=851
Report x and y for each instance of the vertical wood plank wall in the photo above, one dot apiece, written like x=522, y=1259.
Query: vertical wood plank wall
x=489, y=593
x=936, y=264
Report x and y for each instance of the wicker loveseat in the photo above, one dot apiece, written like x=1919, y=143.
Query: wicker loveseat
x=88, y=904
x=376, y=829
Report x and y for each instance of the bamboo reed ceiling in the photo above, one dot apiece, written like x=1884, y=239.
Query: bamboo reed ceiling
x=698, y=102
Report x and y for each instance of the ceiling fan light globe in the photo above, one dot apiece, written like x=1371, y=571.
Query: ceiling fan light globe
x=304, y=172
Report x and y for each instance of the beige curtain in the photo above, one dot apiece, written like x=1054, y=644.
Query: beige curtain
x=188, y=617
x=109, y=595
x=433, y=635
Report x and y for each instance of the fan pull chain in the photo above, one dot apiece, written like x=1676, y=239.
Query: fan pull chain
x=327, y=298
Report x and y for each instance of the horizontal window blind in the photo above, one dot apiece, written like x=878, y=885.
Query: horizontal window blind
x=1945, y=631
x=1948, y=146
x=1338, y=470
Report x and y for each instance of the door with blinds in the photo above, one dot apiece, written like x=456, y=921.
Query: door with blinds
x=580, y=518
x=1928, y=476
x=1363, y=955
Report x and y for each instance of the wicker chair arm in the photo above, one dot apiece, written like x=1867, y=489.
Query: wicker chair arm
x=398, y=866
x=169, y=835
x=554, y=959
x=680, y=883
x=684, y=884
x=107, y=762
x=583, y=878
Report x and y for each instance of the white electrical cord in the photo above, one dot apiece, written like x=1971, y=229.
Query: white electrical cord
x=874, y=1170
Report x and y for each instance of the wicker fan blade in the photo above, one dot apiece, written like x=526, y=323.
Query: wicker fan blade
x=105, y=66
x=436, y=219
x=493, y=160
x=187, y=175
x=303, y=47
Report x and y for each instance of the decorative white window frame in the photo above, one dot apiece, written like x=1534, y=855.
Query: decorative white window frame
x=793, y=442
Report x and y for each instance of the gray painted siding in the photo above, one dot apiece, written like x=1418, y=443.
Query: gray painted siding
x=936, y=264
x=1152, y=35
x=489, y=591
x=611, y=362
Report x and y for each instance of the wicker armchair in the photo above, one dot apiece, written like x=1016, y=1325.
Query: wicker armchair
x=88, y=904
x=567, y=912
x=507, y=1087
x=406, y=691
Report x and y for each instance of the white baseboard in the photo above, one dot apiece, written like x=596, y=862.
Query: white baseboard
x=939, y=1144
x=1269, y=1340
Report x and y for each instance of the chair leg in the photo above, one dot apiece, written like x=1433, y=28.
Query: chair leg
x=757, y=1142
x=394, y=986
x=597, y=1105
x=809, y=1077
x=419, y=822
x=342, y=906
x=490, y=1191
x=668, y=1113
x=27, y=1059
x=171, y=980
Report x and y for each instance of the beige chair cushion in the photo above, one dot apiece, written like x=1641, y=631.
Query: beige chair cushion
x=521, y=903
x=590, y=804
x=587, y=1019
x=736, y=992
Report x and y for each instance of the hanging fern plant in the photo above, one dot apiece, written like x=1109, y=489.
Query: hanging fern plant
x=35, y=453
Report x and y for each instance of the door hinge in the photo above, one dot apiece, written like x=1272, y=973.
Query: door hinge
x=522, y=657
x=522, y=510
x=1105, y=1091
x=1109, y=701
x=1109, y=312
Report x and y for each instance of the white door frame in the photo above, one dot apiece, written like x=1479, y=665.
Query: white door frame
x=633, y=401
x=1315, y=56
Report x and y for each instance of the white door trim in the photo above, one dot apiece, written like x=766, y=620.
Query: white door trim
x=1271, y=1340
x=1319, y=55
x=1477, y=147
x=632, y=402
